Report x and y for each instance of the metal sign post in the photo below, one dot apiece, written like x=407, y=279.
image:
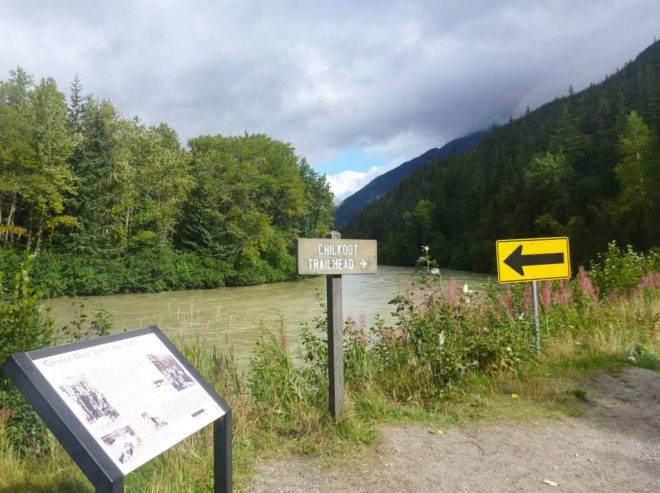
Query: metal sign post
x=334, y=257
x=537, y=333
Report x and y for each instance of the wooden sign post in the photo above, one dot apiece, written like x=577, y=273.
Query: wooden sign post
x=335, y=341
x=333, y=257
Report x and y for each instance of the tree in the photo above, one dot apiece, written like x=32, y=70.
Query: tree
x=253, y=196
x=638, y=172
x=16, y=154
x=152, y=180
x=76, y=106
x=318, y=197
x=35, y=144
x=165, y=180
x=51, y=177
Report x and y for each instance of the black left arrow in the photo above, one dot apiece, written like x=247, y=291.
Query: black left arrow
x=516, y=260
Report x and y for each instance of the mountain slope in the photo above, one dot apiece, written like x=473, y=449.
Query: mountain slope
x=586, y=165
x=382, y=184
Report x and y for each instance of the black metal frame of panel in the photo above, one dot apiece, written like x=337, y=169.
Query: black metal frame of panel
x=79, y=443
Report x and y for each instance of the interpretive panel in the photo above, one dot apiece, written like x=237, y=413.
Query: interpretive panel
x=333, y=256
x=132, y=395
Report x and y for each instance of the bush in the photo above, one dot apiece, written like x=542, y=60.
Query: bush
x=443, y=332
x=620, y=271
x=23, y=327
x=148, y=270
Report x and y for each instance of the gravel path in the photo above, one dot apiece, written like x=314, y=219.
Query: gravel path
x=613, y=447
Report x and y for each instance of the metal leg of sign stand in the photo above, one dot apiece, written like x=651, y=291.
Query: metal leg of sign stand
x=222, y=454
x=536, y=317
x=116, y=486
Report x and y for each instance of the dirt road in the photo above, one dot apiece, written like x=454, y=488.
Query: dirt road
x=613, y=447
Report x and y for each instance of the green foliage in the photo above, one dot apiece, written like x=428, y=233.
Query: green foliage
x=253, y=197
x=637, y=207
x=437, y=363
x=273, y=381
x=23, y=327
x=148, y=270
x=620, y=271
x=82, y=327
x=117, y=206
x=34, y=174
x=442, y=335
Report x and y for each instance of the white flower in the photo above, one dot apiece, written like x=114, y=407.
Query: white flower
x=466, y=289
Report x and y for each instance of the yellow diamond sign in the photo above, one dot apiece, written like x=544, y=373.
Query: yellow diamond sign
x=533, y=259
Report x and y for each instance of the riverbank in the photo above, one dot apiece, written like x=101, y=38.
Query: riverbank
x=583, y=423
x=147, y=271
x=234, y=316
x=454, y=356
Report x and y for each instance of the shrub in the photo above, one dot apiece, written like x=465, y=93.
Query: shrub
x=620, y=271
x=23, y=327
x=147, y=270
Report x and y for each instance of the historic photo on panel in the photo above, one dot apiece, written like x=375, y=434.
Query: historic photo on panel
x=124, y=443
x=91, y=401
x=171, y=370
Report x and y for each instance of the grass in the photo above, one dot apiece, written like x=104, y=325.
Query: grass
x=547, y=389
x=279, y=408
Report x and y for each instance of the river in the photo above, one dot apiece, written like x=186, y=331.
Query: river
x=235, y=315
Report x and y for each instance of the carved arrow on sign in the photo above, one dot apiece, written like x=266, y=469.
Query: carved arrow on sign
x=517, y=260
x=363, y=264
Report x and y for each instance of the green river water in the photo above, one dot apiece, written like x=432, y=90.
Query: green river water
x=235, y=315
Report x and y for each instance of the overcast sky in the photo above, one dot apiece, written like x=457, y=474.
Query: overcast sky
x=355, y=86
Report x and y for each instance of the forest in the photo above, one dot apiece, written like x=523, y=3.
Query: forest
x=586, y=166
x=102, y=203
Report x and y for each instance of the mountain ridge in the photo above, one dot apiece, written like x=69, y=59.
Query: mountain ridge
x=568, y=168
x=382, y=184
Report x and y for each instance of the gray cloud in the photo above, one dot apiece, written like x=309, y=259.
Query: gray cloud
x=394, y=77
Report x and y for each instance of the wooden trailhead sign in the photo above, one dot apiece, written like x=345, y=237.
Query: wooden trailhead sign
x=336, y=257
x=118, y=401
x=333, y=257
x=534, y=259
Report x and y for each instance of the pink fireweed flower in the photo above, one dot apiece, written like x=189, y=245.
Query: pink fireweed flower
x=284, y=340
x=546, y=295
x=648, y=282
x=505, y=300
x=614, y=295
x=450, y=292
x=585, y=284
x=563, y=295
x=482, y=311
